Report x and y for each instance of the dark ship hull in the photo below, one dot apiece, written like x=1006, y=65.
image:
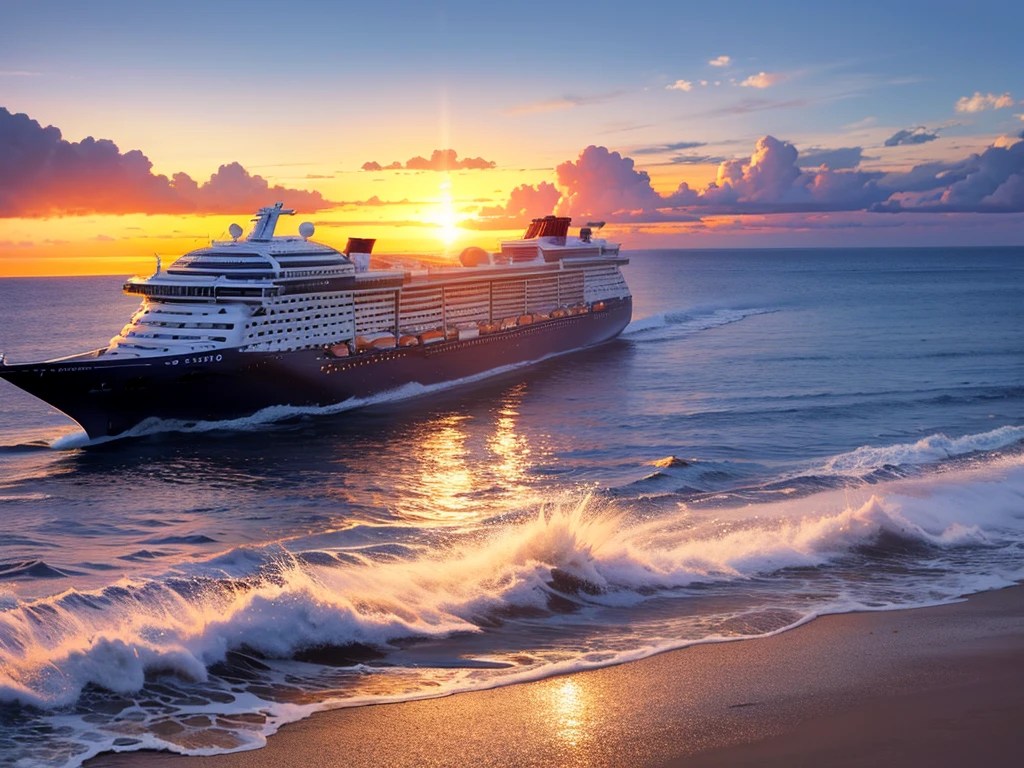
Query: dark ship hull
x=109, y=397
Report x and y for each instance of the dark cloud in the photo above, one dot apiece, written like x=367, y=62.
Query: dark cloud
x=373, y=165
x=836, y=159
x=919, y=135
x=664, y=149
x=992, y=182
x=440, y=160
x=693, y=160
x=41, y=175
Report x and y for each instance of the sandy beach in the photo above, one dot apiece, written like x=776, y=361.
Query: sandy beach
x=932, y=686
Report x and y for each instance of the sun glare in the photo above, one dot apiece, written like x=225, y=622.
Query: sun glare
x=446, y=214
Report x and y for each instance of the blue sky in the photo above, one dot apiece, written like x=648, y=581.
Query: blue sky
x=903, y=63
x=681, y=88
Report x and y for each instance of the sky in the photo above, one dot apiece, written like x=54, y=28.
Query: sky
x=129, y=129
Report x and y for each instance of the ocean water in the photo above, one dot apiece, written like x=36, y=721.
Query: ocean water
x=777, y=435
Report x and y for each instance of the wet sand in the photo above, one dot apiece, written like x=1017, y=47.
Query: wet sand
x=939, y=686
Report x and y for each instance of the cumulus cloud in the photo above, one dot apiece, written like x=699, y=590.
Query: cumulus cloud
x=763, y=80
x=42, y=174
x=440, y=160
x=525, y=203
x=979, y=102
x=918, y=135
x=992, y=181
x=680, y=85
x=232, y=189
x=604, y=184
x=836, y=159
x=721, y=61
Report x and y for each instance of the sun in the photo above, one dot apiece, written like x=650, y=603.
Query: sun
x=449, y=232
x=446, y=218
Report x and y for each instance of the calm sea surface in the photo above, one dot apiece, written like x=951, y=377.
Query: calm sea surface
x=778, y=434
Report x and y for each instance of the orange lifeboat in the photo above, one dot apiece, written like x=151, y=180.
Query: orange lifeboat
x=509, y=322
x=339, y=350
x=375, y=341
x=557, y=313
x=525, y=319
x=431, y=337
x=598, y=307
x=408, y=341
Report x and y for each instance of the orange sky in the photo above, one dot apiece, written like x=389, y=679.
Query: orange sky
x=428, y=220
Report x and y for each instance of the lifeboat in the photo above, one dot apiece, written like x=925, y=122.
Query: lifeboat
x=525, y=319
x=556, y=313
x=509, y=322
x=408, y=341
x=431, y=337
x=598, y=306
x=375, y=341
x=468, y=331
x=339, y=350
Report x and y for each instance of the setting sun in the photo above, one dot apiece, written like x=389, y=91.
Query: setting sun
x=588, y=384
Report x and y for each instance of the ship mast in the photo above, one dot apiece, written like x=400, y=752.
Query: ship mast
x=266, y=222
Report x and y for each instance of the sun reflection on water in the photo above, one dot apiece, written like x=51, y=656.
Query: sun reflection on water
x=568, y=707
x=509, y=446
x=446, y=479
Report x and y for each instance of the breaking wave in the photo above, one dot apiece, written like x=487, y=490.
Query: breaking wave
x=927, y=450
x=286, y=628
x=585, y=551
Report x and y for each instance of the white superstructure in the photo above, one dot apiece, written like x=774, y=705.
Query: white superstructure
x=270, y=293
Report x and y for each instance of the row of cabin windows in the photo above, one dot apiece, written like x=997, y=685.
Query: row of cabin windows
x=285, y=272
x=136, y=334
x=214, y=326
x=300, y=329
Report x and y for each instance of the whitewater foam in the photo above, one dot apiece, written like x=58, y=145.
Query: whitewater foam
x=278, y=413
x=575, y=555
x=933, y=448
x=683, y=322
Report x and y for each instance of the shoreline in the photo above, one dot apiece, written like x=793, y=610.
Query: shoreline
x=923, y=686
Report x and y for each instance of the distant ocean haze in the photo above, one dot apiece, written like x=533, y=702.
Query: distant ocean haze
x=771, y=428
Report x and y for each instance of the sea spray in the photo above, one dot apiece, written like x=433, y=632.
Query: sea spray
x=581, y=549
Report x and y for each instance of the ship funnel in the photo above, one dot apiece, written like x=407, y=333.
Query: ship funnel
x=359, y=245
x=358, y=250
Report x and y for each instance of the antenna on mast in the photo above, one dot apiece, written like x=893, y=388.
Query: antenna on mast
x=266, y=221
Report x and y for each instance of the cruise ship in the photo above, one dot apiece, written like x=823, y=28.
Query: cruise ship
x=242, y=325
